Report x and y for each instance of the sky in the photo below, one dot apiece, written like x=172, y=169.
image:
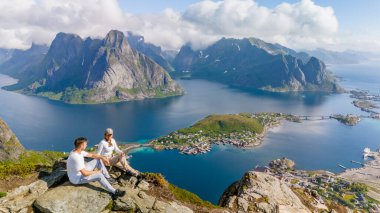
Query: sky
x=299, y=24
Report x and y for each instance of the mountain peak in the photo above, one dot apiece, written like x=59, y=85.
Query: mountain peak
x=115, y=38
x=66, y=36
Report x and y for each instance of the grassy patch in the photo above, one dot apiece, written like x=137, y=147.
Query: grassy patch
x=224, y=124
x=189, y=197
x=109, y=206
x=3, y=194
x=51, y=95
x=156, y=179
x=348, y=197
x=29, y=162
x=180, y=194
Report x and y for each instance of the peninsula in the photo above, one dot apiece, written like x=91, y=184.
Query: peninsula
x=244, y=130
x=241, y=130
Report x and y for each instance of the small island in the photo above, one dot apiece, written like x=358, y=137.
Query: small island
x=349, y=120
x=366, y=102
x=241, y=130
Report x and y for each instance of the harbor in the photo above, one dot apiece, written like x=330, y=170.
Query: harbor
x=369, y=174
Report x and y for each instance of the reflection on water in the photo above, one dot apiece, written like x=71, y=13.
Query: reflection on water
x=44, y=124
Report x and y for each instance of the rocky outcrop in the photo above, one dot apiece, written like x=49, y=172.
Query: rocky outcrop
x=261, y=192
x=10, y=146
x=96, y=71
x=252, y=63
x=21, y=198
x=282, y=164
x=93, y=198
x=68, y=198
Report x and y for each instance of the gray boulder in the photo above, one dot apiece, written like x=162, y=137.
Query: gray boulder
x=68, y=198
x=23, y=197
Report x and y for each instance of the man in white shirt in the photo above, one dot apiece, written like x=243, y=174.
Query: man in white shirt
x=80, y=172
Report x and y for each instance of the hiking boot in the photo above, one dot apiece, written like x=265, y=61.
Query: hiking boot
x=111, y=180
x=118, y=193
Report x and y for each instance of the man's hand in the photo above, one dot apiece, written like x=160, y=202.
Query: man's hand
x=105, y=161
x=88, y=173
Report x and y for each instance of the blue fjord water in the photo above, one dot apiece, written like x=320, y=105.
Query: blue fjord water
x=44, y=124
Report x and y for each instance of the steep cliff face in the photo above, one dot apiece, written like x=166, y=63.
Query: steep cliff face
x=256, y=64
x=10, y=147
x=154, y=52
x=260, y=192
x=97, y=71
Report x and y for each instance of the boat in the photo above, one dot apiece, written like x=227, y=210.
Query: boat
x=367, y=153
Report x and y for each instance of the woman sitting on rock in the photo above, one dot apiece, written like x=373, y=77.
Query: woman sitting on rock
x=107, y=147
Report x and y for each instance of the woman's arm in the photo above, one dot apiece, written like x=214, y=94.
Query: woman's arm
x=100, y=148
x=117, y=150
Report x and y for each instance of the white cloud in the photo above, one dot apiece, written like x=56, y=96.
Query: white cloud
x=299, y=25
x=27, y=21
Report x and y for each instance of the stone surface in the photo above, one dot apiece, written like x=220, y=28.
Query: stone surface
x=282, y=164
x=10, y=146
x=261, y=192
x=125, y=204
x=143, y=185
x=68, y=198
x=24, y=196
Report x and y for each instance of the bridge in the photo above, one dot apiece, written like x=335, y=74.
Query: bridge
x=321, y=117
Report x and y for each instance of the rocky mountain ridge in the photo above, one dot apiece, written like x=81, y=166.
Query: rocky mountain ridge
x=96, y=71
x=252, y=63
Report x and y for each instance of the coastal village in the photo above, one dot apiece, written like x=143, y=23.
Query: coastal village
x=244, y=130
x=323, y=190
x=233, y=130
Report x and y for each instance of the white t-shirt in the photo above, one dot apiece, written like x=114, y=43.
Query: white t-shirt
x=105, y=150
x=75, y=163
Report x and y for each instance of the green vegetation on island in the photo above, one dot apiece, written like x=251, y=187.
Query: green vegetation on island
x=241, y=130
x=350, y=120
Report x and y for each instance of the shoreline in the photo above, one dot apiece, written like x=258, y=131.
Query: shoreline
x=200, y=143
x=369, y=174
x=205, y=146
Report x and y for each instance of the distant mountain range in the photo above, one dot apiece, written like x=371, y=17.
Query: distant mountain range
x=90, y=71
x=345, y=57
x=161, y=57
x=16, y=63
x=253, y=63
x=120, y=68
